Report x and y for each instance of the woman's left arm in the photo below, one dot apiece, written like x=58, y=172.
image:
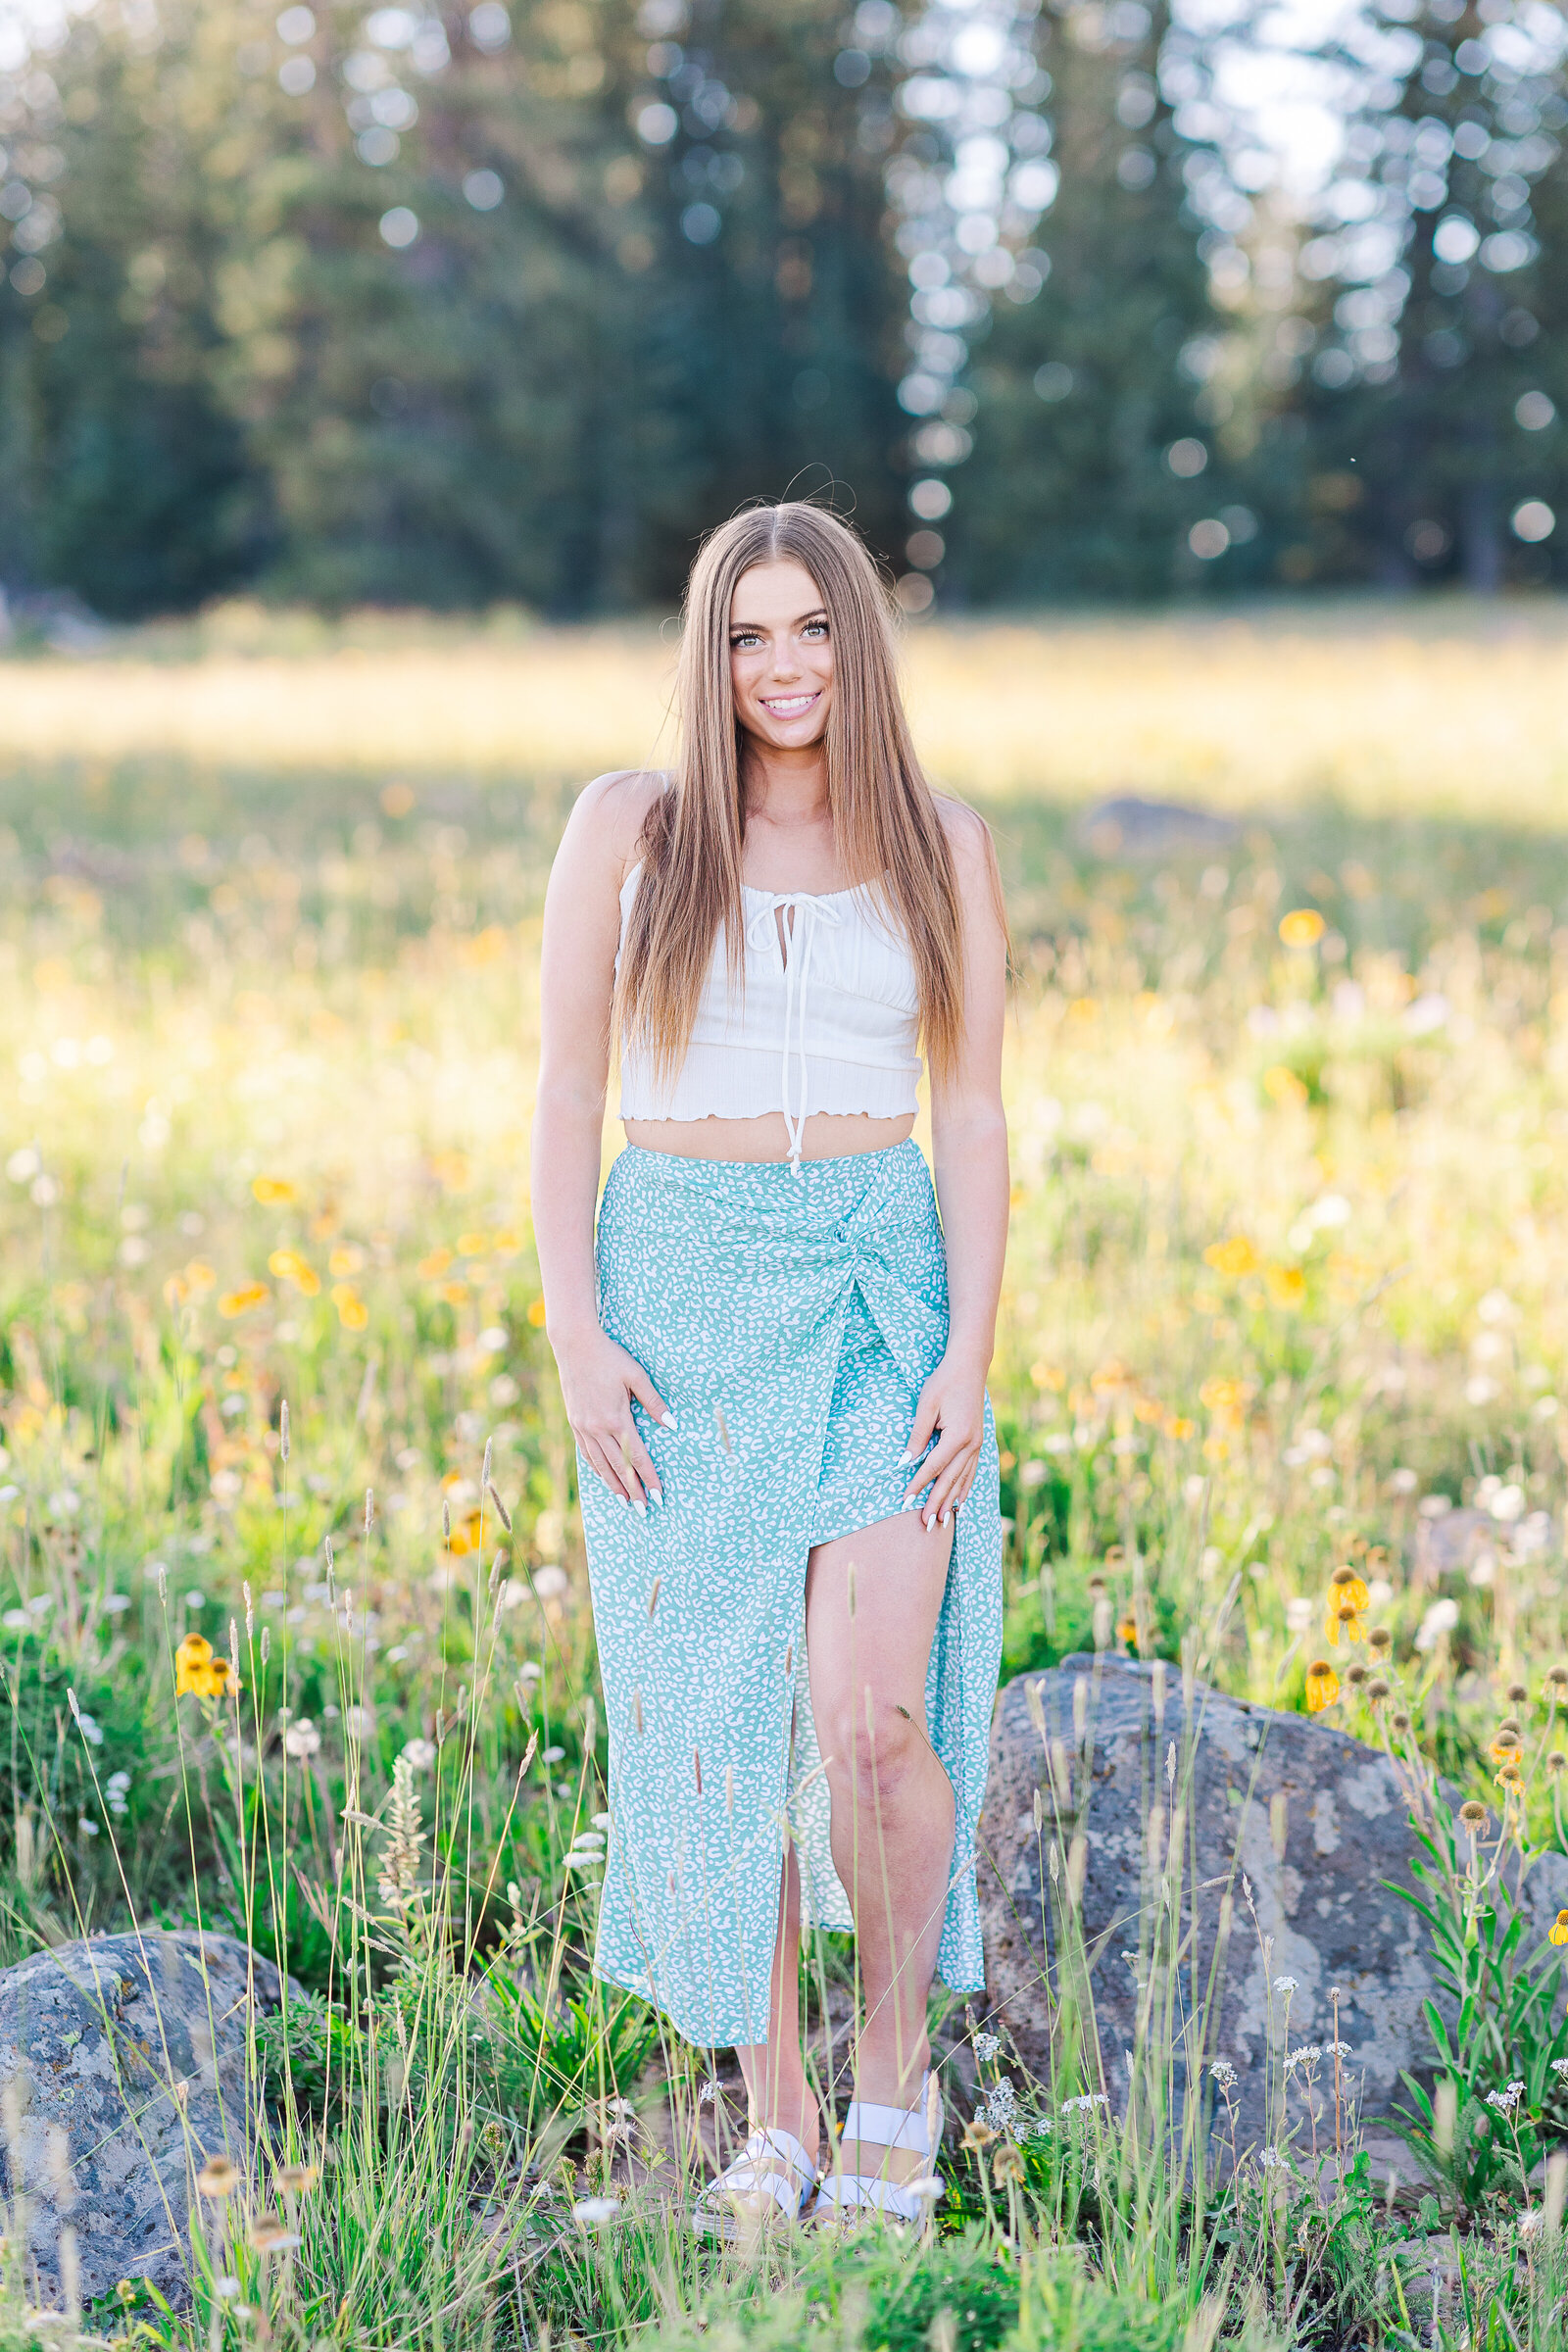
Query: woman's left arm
x=969, y=1148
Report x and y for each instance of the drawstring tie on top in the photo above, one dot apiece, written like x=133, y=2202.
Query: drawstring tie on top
x=803, y=915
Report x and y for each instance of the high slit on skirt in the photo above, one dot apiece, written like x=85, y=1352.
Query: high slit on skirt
x=789, y=1319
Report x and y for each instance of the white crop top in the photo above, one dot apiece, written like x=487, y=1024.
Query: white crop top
x=832, y=1026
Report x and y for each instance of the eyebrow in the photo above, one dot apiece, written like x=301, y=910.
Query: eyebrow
x=818, y=613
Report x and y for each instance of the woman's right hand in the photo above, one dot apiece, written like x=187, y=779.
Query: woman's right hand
x=597, y=1380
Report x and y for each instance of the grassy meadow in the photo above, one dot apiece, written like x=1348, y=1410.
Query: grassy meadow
x=1287, y=1292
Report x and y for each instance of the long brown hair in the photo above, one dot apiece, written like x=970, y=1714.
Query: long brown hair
x=885, y=821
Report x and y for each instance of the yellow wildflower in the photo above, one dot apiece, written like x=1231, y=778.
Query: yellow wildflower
x=351, y=1311
x=536, y=1313
x=193, y=1656
x=241, y=1300
x=1283, y=1087
x=1557, y=1932
x=198, y=1673
x=1234, y=1255
x=1302, y=927
x=431, y=1268
x=275, y=1192
x=1287, y=1285
x=1322, y=1685
x=289, y=1267
x=346, y=1259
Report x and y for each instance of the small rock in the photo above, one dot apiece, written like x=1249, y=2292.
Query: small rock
x=1130, y=827
x=122, y=2071
x=1323, y=1910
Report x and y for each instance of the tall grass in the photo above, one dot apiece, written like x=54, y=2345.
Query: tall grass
x=1266, y=709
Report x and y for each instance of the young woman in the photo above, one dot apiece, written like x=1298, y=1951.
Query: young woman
x=775, y=1364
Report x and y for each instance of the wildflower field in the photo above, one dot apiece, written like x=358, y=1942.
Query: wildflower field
x=294, y=1628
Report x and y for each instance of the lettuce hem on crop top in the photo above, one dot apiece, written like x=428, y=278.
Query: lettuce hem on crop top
x=834, y=1026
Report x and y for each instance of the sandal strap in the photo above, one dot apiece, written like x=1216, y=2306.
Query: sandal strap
x=891, y=2127
x=751, y=2175
x=850, y=2192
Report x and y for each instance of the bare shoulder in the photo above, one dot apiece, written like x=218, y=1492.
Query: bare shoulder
x=610, y=814
x=969, y=839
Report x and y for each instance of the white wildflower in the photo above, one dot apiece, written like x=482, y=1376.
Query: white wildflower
x=1507, y=2099
x=421, y=1754
x=1224, y=2073
x=1285, y=1985
x=1086, y=2103
x=1271, y=2160
x=986, y=2045
x=1559, y=2067
x=593, y=2212
x=302, y=1738
x=1307, y=2055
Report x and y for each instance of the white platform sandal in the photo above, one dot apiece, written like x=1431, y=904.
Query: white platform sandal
x=900, y=2188
x=768, y=2184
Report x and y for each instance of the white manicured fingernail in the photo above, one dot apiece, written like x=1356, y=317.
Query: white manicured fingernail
x=655, y=1496
x=905, y=1461
x=641, y=1509
x=930, y=1521
x=669, y=1421
x=946, y=1517
x=910, y=1503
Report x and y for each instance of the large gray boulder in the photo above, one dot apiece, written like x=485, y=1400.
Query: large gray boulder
x=122, y=2069
x=1310, y=1820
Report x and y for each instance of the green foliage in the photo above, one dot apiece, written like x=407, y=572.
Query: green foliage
x=1499, y=2101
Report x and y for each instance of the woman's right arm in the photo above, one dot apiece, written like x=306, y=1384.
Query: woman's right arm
x=581, y=934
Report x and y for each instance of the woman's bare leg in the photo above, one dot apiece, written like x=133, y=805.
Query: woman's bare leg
x=872, y=1599
x=777, y=2091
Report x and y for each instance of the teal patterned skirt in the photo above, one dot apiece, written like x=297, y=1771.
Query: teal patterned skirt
x=789, y=1320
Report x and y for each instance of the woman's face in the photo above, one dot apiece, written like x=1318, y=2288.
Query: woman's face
x=780, y=655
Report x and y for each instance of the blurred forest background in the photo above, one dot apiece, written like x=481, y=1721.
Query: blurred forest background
x=448, y=306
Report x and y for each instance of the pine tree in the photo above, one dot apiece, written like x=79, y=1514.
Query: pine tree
x=1446, y=379
x=768, y=320
x=1094, y=471
x=123, y=475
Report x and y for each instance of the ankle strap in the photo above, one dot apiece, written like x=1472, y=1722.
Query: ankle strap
x=889, y=2127
x=768, y=2140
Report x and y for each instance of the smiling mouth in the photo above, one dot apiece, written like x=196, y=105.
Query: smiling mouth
x=789, y=705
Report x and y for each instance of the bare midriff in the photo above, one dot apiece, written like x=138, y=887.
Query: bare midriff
x=829, y=1135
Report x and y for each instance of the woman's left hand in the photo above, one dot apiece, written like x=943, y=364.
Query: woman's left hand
x=953, y=1402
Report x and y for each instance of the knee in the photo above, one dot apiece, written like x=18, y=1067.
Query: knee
x=871, y=1748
